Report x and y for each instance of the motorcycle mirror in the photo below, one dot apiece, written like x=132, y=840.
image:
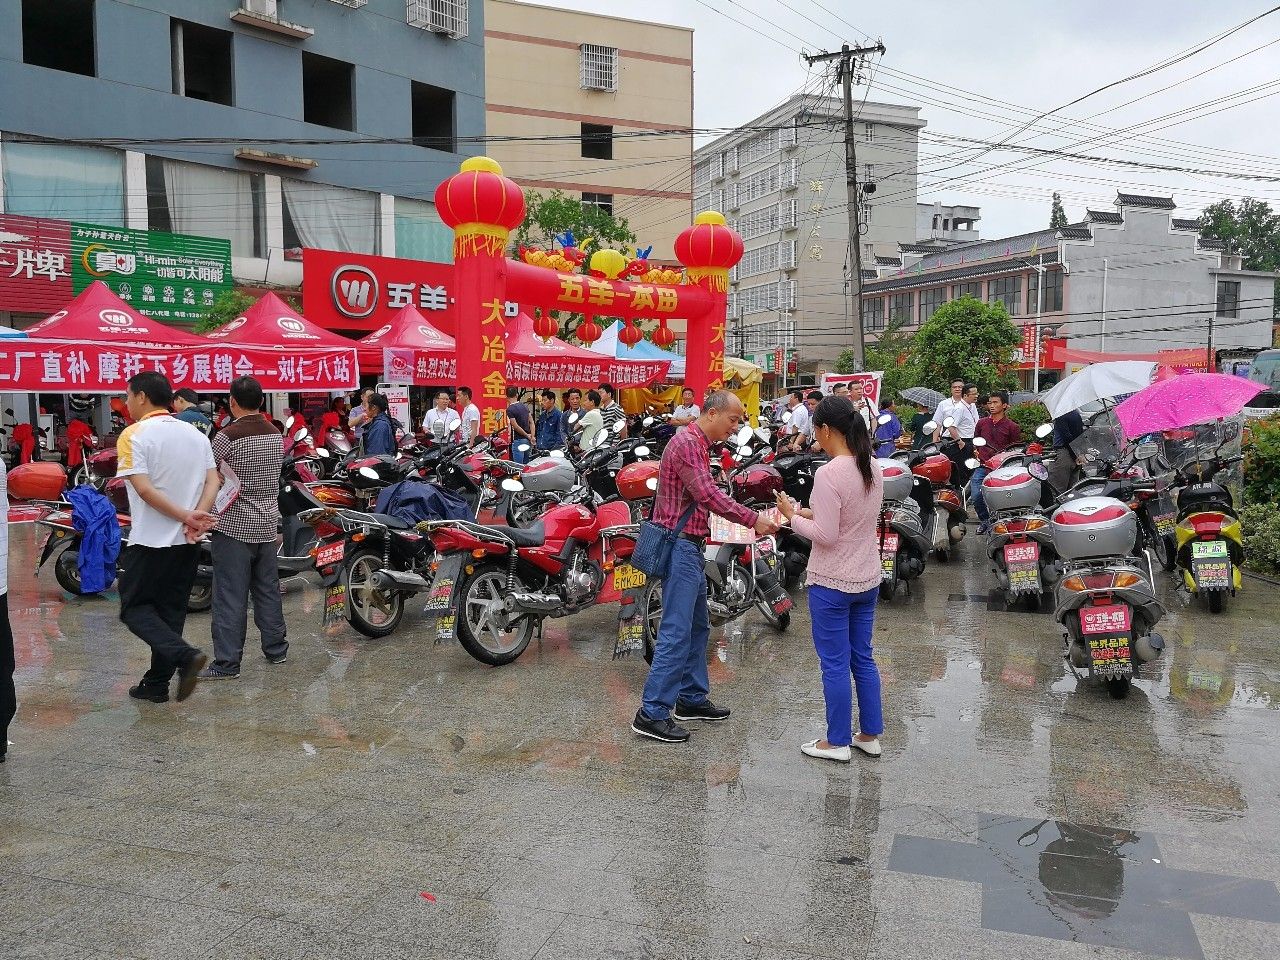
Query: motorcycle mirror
x=522, y=447
x=647, y=422
x=453, y=424
x=288, y=424
x=600, y=440
x=642, y=451
x=652, y=483
x=949, y=422
x=369, y=473
x=972, y=463
x=786, y=416
x=883, y=419
x=300, y=435
x=556, y=454
x=9, y=411
x=619, y=426
x=574, y=417
x=979, y=441
x=1038, y=470
x=743, y=436
x=743, y=452
x=1044, y=430
x=322, y=452
x=929, y=426
x=512, y=485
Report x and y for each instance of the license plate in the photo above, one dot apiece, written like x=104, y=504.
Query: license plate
x=763, y=547
x=330, y=553
x=1211, y=574
x=626, y=577
x=1111, y=619
x=1211, y=548
x=440, y=599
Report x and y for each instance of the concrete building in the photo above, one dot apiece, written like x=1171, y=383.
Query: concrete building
x=590, y=93
x=781, y=182
x=275, y=124
x=1133, y=280
x=938, y=225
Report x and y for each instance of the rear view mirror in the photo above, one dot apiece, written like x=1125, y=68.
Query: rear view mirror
x=949, y=422
x=574, y=417
x=288, y=424
x=300, y=435
x=743, y=437
x=522, y=447
x=322, y=452
x=786, y=416
x=453, y=424
x=979, y=441
x=1038, y=470
x=972, y=463
x=512, y=485
x=1044, y=430
x=600, y=440
x=619, y=426
x=883, y=419
x=647, y=422
x=642, y=451
x=929, y=427
x=763, y=434
x=744, y=452
x=369, y=473
x=556, y=454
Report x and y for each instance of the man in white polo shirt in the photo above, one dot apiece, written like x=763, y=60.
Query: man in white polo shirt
x=966, y=421
x=172, y=483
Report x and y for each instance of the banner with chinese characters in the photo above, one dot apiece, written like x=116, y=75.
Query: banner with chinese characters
x=352, y=291
x=55, y=366
x=35, y=264
x=168, y=276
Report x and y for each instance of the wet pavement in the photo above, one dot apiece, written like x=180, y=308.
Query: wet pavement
x=396, y=799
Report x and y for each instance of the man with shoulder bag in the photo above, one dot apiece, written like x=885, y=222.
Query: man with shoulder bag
x=678, y=684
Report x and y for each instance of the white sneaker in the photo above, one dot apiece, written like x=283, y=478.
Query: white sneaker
x=871, y=747
x=840, y=754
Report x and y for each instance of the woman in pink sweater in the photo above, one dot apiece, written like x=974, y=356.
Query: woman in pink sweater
x=844, y=577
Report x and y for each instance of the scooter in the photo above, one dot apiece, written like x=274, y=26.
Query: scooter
x=950, y=513
x=1210, y=542
x=906, y=528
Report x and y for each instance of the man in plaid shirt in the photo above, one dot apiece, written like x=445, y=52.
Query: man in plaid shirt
x=678, y=683
x=244, y=539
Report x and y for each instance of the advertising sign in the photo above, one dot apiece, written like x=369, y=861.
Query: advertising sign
x=351, y=291
x=397, y=402
x=35, y=264
x=860, y=385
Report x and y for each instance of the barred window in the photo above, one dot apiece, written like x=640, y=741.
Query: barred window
x=1052, y=291
x=902, y=307
x=760, y=260
x=930, y=301
x=873, y=313
x=701, y=174
x=758, y=147
x=758, y=185
x=1007, y=290
x=598, y=67
x=967, y=290
x=758, y=222
x=758, y=299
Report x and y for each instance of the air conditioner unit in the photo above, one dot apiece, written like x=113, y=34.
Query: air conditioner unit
x=787, y=295
x=353, y=4
x=790, y=138
x=787, y=254
x=733, y=274
x=265, y=15
x=449, y=17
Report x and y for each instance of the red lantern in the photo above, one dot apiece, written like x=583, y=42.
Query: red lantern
x=589, y=332
x=545, y=326
x=709, y=249
x=630, y=334
x=481, y=206
x=662, y=337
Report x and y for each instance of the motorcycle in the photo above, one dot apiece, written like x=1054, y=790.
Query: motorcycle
x=796, y=470
x=1019, y=544
x=1210, y=542
x=1105, y=599
x=906, y=528
x=950, y=511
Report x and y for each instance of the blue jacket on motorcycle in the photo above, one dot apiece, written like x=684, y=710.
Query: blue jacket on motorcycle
x=94, y=517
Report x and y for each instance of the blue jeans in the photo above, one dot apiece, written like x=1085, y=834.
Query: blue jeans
x=975, y=493
x=679, y=669
x=842, y=636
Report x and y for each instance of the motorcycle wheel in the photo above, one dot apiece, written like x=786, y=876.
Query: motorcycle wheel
x=200, y=598
x=67, y=573
x=1119, y=687
x=1166, y=551
x=779, y=621
x=651, y=610
x=476, y=632
x=80, y=477
x=1215, y=600
x=887, y=589
x=369, y=610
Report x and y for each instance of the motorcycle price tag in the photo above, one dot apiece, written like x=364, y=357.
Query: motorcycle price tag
x=335, y=605
x=1211, y=548
x=1022, y=562
x=888, y=556
x=1107, y=631
x=330, y=553
x=1211, y=574
x=440, y=599
x=630, y=637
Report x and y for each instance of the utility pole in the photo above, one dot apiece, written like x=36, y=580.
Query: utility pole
x=1209, y=364
x=846, y=58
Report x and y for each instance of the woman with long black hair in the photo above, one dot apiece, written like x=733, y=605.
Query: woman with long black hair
x=843, y=577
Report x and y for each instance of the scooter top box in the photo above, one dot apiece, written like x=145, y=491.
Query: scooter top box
x=1010, y=488
x=897, y=479
x=37, y=481
x=549, y=475
x=1094, y=527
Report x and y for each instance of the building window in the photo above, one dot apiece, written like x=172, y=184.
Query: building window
x=1007, y=290
x=869, y=132
x=701, y=174
x=64, y=182
x=967, y=290
x=598, y=68
x=1228, y=298
x=201, y=58
x=330, y=218
x=433, y=116
x=902, y=307
x=602, y=200
x=420, y=233
x=59, y=35
x=207, y=202
x=327, y=92
x=930, y=301
x=597, y=141
x=873, y=313
x=1052, y=292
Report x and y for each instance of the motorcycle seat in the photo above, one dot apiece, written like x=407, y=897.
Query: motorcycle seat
x=531, y=536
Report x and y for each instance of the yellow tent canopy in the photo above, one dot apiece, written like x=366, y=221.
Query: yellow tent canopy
x=747, y=375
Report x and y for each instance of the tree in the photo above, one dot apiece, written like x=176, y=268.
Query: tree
x=1057, y=214
x=1251, y=229
x=550, y=214
x=229, y=305
x=891, y=352
x=965, y=339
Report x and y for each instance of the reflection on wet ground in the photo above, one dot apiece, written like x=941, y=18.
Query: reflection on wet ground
x=304, y=810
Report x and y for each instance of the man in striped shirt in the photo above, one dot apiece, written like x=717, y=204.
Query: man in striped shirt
x=611, y=411
x=244, y=540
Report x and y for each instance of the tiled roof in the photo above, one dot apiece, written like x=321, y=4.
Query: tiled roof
x=1212, y=244
x=1076, y=232
x=869, y=275
x=1103, y=216
x=888, y=261
x=1185, y=224
x=1152, y=203
x=913, y=278
x=917, y=248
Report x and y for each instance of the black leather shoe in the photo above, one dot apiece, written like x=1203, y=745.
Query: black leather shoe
x=707, y=711
x=189, y=675
x=150, y=692
x=664, y=730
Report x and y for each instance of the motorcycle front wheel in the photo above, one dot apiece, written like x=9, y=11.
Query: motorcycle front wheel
x=779, y=621
x=371, y=611
x=479, y=635
x=200, y=598
x=1215, y=600
x=66, y=571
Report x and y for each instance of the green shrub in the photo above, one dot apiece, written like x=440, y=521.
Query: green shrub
x=1261, y=525
x=1262, y=463
x=1028, y=416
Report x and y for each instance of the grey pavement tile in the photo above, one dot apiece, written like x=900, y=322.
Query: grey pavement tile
x=1231, y=939
x=27, y=901
x=329, y=898
x=14, y=946
x=165, y=874
x=138, y=926
x=583, y=938
x=24, y=847
x=262, y=938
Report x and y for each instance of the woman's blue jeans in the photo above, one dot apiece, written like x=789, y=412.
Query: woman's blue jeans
x=842, y=625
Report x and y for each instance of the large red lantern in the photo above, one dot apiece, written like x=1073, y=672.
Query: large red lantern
x=589, y=331
x=709, y=249
x=630, y=334
x=481, y=206
x=545, y=326
x=663, y=337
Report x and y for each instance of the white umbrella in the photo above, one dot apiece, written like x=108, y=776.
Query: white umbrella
x=1098, y=381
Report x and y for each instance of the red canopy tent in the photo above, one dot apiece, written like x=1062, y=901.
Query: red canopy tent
x=408, y=330
x=530, y=362
x=271, y=323
x=98, y=316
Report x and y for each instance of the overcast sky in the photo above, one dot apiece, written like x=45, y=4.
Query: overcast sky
x=1033, y=56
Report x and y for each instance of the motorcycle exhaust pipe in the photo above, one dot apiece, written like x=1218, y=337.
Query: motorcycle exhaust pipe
x=400, y=581
x=1148, y=646
x=957, y=532
x=532, y=602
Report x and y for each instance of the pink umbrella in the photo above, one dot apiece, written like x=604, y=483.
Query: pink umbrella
x=1183, y=400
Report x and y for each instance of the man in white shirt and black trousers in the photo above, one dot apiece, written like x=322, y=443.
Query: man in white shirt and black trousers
x=966, y=421
x=172, y=483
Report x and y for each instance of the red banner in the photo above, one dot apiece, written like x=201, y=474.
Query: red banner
x=35, y=264
x=422, y=369
x=577, y=293
x=54, y=366
x=352, y=291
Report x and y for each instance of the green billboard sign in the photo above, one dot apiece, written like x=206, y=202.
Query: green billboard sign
x=169, y=276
